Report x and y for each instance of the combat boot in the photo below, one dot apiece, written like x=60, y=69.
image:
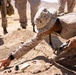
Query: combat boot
x=5, y=30
x=33, y=27
x=23, y=25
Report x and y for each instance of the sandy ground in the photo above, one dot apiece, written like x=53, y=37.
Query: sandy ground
x=37, y=57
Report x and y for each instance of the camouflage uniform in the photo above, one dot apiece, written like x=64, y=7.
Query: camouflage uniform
x=3, y=13
x=68, y=23
x=70, y=6
x=38, y=37
x=45, y=21
x=21, y=7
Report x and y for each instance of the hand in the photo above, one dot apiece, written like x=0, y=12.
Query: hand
x=71, y=44
x=4, y=63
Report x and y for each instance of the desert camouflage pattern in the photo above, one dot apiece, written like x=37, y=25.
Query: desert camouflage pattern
x=38, y=37
x=21, y=7
x=28, y=45
x=68, y=23
x=3, y=12
x=45, y=19
x=70, y=6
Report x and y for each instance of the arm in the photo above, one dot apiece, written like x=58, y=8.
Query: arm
x=27, y=46
x=23, y=49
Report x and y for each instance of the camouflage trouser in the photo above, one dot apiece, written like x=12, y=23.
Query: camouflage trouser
x=3, y=13
x=67, y=58
x=21, y=7
x=70, y=5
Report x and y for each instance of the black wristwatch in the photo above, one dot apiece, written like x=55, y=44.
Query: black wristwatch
x=11, y=56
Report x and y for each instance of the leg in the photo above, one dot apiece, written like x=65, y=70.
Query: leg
x=3, y=15
x=34, y=8
x=21, y=7
x=70, y=5
x=33, y=12
x=61, y=6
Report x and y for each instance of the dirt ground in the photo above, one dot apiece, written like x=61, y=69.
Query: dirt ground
x=37, y=57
